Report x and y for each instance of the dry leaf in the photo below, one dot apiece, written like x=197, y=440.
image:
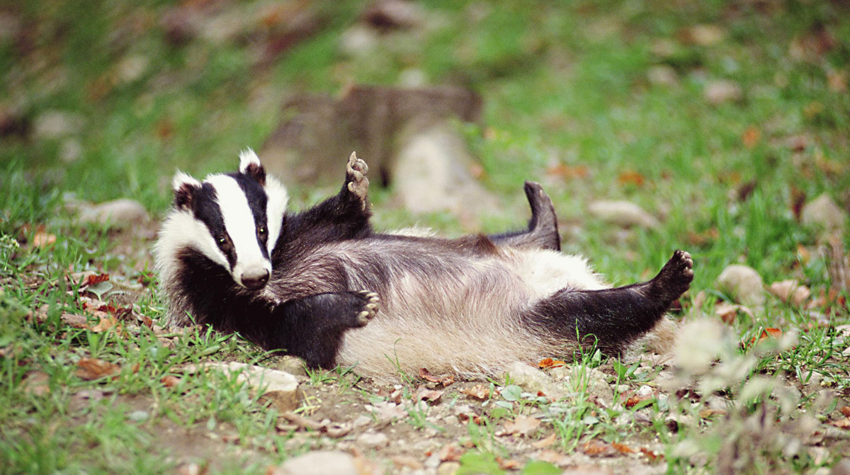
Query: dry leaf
x=751, y=137
x=92, y=368
x=445, y=380
x=387, y=411
x=43, y=239
x=552, y=457
x=548, y=441
x=652, y=456
x=94, y=279
x=630, y=177
x=622, y=448
x=479, y=391
x=74, y=320
x=106, y=322
x=845, y=410
x=450, y=453
x=523, y=425
x=790, y=291
x=566, y=171
x=547, y=363
x=507, y=464
x=170, y=381
x=841, y=424
x=767, y=334
x=596, y=448
x=428, y=395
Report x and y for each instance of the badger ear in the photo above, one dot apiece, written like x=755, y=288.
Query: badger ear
x=249, y=164
x=184, y=190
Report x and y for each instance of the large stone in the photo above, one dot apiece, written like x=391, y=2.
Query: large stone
x=743, y=284
x=120, y=213
x=433, y=174
x=622, y=213
x=321, y=462
x=822, y=211
x=277, y=387
x=533, y=380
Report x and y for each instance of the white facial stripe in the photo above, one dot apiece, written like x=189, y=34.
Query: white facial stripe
x=180, y=230
x=240, y=225
x=275, y=208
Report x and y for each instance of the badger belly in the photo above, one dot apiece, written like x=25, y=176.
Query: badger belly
x=466, y=320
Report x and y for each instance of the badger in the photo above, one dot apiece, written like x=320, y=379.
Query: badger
x=322, y=285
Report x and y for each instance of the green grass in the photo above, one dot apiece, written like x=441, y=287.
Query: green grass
x=565, y=84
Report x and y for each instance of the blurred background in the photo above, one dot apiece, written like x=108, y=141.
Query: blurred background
x=712, y=117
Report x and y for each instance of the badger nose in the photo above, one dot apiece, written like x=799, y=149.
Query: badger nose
x=255, y=280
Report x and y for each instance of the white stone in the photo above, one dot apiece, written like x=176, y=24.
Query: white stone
x=118, y=213
x=533, y=380
x=743, y=284
x=321, y=462
x=373, y=440
x=622, y=213
x=278, y=387
x=822, y=211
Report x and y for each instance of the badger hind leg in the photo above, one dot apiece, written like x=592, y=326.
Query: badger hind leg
x=612, y=318
x=542, y=231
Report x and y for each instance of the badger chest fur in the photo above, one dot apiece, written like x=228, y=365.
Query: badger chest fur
x=323, y=285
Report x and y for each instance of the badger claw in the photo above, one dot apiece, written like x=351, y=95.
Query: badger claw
x=355, y=177
x=371, y=307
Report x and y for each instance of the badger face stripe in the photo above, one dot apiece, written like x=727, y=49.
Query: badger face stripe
x=257, y=202
x=207, y=210
x=243, y=220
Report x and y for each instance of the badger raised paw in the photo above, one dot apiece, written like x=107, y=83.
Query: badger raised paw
x=675, y=277
x=355, y=178
x=371, y=304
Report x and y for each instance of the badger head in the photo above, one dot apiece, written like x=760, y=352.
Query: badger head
x=233, y=219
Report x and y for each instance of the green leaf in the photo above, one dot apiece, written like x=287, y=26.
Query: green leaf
x=512, y=393
x=539, y=467
x=478, y=463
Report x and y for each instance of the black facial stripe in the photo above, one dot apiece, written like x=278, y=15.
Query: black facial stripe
x=257, y=201
x=208, y=211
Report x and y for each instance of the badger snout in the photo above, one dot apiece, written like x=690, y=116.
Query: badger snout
x=255, y=279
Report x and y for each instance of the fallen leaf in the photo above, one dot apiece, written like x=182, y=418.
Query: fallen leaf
x=630, y=177
x=387, y=411
x=652, y=456
x=170, y=381
x=546, y=442
x=479, y=391
x=94, y=279
x=751, y=137
x=507, y=464
x=841, y=424
x=43, y=239
x=845, y=410
x=552, y=456
x=92, y=368
x=728, y=312
x=450, y=453
x=566, y=171
x=106, y=322
x=430, y=395
x=522, y=425
x=767, y=334
x=635, y=400
x=622, y=448
x=547, y=363
x=790, y=291
x=445, y=380
x=596, y=448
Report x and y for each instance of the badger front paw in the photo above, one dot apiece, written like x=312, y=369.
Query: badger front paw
x=371, y=304
x=355, y=178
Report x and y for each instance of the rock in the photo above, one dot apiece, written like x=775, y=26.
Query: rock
x=822, y=211
x=120, y=213
x=373, y=440
x=699, y=344
x=662, y=75
x=448, y=468
x=278, y=387
x=321, y=462
x=433, y=174
x=622, y=213
x=359, y=41
x=743, y=284
x=533, y=380
x=292, y=365
x=722, y=91
x=790, y=291
x=56, y=124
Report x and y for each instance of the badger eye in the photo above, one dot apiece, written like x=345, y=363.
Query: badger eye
x=222, y=240
x=262, y=230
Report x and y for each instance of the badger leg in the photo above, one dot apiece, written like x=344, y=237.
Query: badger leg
x=313, y=327
x=542, y=232
x=611, y=318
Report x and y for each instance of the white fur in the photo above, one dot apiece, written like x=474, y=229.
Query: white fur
x=181, y=179
x=247, y=157
x=275, y=208
x=180, y=230
x=240, y=225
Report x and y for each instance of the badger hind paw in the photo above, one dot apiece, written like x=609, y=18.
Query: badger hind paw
x=675, y=277
x=371, y=305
